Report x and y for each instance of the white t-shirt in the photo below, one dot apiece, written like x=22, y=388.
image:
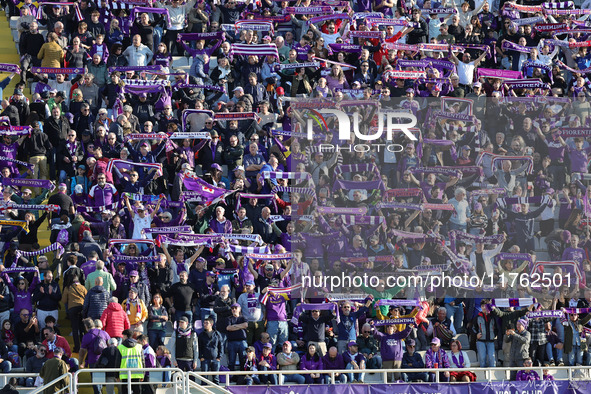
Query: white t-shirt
x=330, y=38
x=466, y=73
x=139, y=224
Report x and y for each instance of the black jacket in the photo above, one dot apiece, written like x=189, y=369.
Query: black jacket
x=63, y=152
x=46, y=301
x=57, y=129
x=110, y=358
x=37, y=144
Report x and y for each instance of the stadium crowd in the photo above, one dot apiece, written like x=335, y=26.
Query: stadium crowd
x=187, y=200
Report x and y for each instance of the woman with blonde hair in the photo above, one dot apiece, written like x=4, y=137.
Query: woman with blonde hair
x=336, y=78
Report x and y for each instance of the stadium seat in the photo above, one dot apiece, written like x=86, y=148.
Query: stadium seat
x=13, y=20
x=179, y=61
x=464, y=340
x=473, y=357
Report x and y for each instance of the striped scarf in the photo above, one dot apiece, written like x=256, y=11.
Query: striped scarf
x=254, y=50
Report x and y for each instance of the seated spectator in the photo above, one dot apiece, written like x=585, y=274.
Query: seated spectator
x=369, y=347
x=527, y=375
x=355, y=361
x=288, y=360
x=333, y=360
x=311, y=361
x=34, y=365
x=459, y=359
x=412, y=359
x=437, y=358
x=267, y=362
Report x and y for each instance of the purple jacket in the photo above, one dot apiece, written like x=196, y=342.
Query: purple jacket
x=391, y=347
x=221, y=228
x=337, y=363
x=311, y=365
x=348, y=357
x=88, y=343
x=22, y=298
x=271, y=359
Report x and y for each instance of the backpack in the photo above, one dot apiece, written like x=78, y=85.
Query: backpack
x=63, y=237
x=98, y=345
x=14, y=359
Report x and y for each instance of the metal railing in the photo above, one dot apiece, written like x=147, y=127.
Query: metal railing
x=185, y=382
x=190, y=384
x=384, y=373
x=177, y=378
x=67, y=378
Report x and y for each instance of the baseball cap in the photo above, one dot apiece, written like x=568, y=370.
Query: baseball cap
x=249, y=283
x=133, y=273
x=437, y=89
x=435, y=341
x=466, y=147
x=410, y=342
x=477, y=206
x=133, y=290
x=209, y=273
x=352, y=343
x=234, y=305
x=18, y=92
x=184, y=318
x=268, y=346
x=144, y=95
x=216, y=166
x=477, y=85
x=241, y=168
x=61, y=94
x=280, y=91
x=140, y=207
x=410, y=90
x=239, y=88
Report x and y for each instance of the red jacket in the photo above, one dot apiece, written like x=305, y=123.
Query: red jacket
x=115, y=320
x=59, y=342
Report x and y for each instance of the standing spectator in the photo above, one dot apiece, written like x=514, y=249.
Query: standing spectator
x=485, y=329
x=93, y=343
x=369, y=347
x=185, y=346
x=111, y=358
x=115, y=319
x=132, y=356
x=73, y=299
x=236, y=334
x=181, y=296
x=53, y=368
x=136, y=310
x=157, y=318
x=138, y=54
x=252, y=310
x=47, y=297
x=108, y=282
x=210, y=349
x=391, y=348
x=96, y=300
x=519, y=340
x=53, y=341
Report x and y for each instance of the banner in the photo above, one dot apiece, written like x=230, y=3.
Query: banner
x=508, y=387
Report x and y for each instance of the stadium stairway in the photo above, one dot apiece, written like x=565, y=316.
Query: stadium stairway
x=8, y=53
